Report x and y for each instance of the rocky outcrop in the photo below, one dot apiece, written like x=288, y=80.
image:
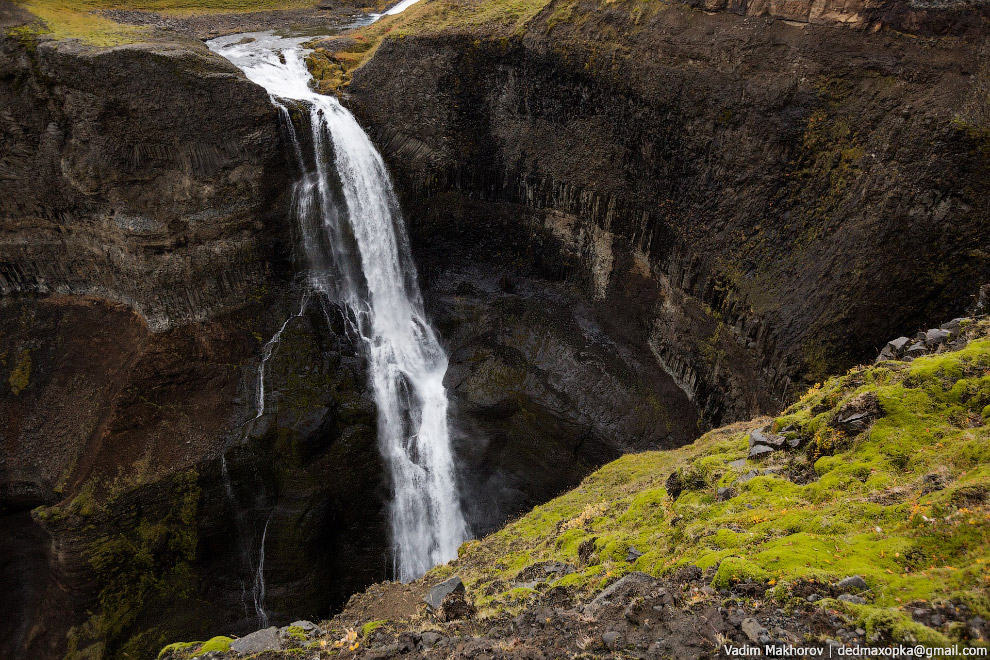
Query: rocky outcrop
x=735, y=194
x=148, y=174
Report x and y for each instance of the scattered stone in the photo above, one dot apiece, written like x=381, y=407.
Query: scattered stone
x=434, y=599
x=611, y=640
x=631, y=584
x=752, y=474
x=757, y=451
x=724, y=494
x=916, y=350
x=454, y=607
x=897, y=346
x=936, y=337
x=543, y=571
x=429, y=639
x=738, y=463
x=754, y=631
x=860, y=632
x=307, y=626
x=257, y=642
x=760, y=437
x=858, y=414
x=855, y=600
x=954, y=325
x=814, y=598
x=633, y=554
x=853, y=583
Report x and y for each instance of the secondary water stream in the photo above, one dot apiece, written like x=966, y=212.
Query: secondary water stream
x=357, y=255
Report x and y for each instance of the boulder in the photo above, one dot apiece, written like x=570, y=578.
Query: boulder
x=855, y=600
x=434, y=599
x=936, y=337
x=257, y=642
x=631, y=584
x=612, y=640
x=897, y=346
x=858, y=414
x=756, y=451
x=454, y=608
x=916, y=350
x=853, y=583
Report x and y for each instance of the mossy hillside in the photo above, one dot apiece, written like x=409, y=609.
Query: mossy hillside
x=903, y=504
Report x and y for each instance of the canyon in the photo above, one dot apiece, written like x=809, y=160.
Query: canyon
x=631, y=224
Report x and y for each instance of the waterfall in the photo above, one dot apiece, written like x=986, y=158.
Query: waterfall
x=357, y=254
x=259, y=579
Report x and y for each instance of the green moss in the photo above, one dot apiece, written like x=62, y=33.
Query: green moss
x=20, y=375
x=177, y=646
x=862, y=508
x=371, y=627
x=733, y=570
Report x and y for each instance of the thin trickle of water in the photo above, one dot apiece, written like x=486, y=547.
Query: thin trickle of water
x=259, y=580
x=357, y=254
x=266, y=353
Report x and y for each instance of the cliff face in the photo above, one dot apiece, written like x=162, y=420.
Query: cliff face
x=144, y=174
x=756, y=202
x=145, y=259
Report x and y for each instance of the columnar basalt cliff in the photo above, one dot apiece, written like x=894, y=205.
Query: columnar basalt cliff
x=146, y=174
x=735, y=190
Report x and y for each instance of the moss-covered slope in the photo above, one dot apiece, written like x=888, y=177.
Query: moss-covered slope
x=904, y=503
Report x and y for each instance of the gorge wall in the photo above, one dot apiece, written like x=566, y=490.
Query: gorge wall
x=752, y=197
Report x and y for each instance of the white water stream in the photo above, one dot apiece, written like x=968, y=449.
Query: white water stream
x=357, y=254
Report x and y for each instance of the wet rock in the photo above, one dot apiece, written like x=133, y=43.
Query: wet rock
x=855, y=600
x=435, y=598
x=853, y=583
x=724, y=494
x=754, y=631
x=257, y=642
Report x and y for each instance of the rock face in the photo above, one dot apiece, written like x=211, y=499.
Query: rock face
x=731, y=197
x=149, y=175
x=144, y=261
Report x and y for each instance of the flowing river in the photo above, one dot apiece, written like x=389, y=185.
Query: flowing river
x=357, y=254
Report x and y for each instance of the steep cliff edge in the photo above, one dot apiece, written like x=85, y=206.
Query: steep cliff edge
x=757, y=196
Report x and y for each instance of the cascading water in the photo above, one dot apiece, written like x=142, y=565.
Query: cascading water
x=358, y=255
